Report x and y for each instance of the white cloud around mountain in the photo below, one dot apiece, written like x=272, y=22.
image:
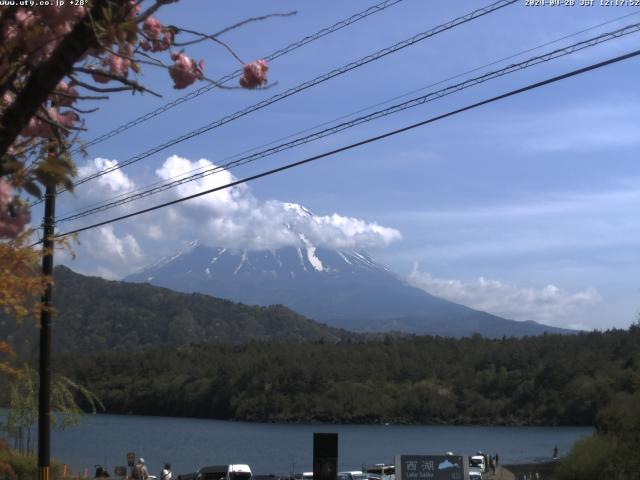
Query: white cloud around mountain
x=232, y=218
x=548, y=304
x=114, y=182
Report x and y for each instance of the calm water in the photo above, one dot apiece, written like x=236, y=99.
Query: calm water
x=267, y=448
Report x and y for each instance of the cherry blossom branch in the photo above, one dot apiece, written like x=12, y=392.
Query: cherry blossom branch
x=46, y=118
x=43, y=79
x=79, y=110
x=152, y=60
x=253, y=19
x=124, y=80
x=93, y=88
x=80, y=97
x=205, y=37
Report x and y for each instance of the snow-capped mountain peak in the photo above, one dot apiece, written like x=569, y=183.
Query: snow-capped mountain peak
x=347, y=289
x=297, y=208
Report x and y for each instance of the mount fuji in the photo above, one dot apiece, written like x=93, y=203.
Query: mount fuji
x=342, y=288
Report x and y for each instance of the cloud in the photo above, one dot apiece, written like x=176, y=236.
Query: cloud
x=112, y=253
x=234, y=218
x=548, y=304
x=115, y=182
x=231, y=218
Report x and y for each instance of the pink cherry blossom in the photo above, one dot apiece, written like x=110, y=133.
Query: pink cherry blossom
x=165, y=42
x=12, y=218
x=37, y=128
x=25, y=18
x=134, y=8
x=6, y=194
x=6, y=99
x=161, y=37
x=67, y=119
x=64, y=95
x=184, y=71
x=13, y=223
x=152, y=27
x=254, y=74
x=10, y=32
x=66, y=14
x=118, y=65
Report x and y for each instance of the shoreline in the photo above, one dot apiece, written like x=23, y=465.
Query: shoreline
x=312, y=422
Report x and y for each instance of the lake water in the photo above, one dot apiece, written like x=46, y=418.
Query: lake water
x=189, y=443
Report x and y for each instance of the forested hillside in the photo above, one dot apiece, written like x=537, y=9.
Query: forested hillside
x=546, y=380
x=93, y=314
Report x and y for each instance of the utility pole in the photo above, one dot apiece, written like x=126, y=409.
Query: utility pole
x=44, y=403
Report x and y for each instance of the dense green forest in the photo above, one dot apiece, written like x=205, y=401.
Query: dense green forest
x=586, y=379
x=546, y=380
x=93, y=314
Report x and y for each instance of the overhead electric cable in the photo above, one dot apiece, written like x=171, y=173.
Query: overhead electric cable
x=342, y=117
x=235, y=74
x=558, y=53
x=310, y=83
x=364, y=142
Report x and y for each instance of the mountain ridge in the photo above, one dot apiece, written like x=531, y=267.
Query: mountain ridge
x=93, y=314
x=342, y=288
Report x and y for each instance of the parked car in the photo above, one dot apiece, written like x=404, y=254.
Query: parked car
x=475, y=474
x=354, y=475
x=477, y=461
x=301, y=476
x=380, y=471
x=224, y=472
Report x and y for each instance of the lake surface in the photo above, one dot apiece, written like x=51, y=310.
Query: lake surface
x=189, y=443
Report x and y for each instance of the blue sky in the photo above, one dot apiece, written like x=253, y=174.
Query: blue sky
x=526, y=208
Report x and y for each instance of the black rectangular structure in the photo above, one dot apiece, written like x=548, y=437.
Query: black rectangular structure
x=325, y=456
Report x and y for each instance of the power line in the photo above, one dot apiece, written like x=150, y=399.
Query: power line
x=558, y=53
x=310, y=83
x=366, y=141
x=235, y=74
x=230, y=76
x=342, y=117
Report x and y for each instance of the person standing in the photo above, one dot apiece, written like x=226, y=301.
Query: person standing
x=140, y=471
x=166, y=473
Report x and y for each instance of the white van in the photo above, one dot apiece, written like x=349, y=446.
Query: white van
x=380, y=471
x=225, y=472
x=477, y=461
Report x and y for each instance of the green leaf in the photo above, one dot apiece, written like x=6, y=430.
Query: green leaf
x=32, y=189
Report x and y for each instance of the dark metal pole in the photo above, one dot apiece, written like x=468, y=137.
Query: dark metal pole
x=44, y=404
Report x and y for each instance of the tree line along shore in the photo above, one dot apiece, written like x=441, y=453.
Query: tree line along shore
x=586, y=379
x=545, y=380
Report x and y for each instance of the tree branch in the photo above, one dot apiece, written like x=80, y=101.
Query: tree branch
x=93, y=88
x=124, y=80
x=203, y=38
x=253, y=19
x=45, y=77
